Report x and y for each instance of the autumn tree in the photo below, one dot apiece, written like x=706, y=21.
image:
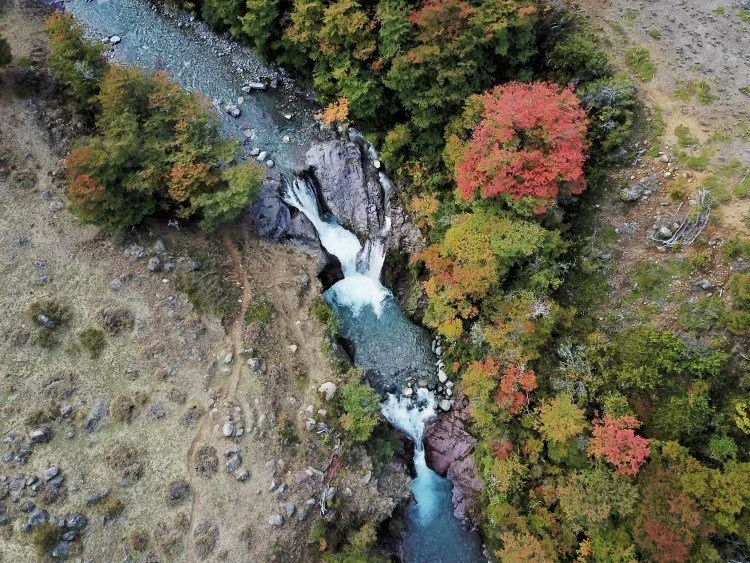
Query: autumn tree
x=614, y=440
x=560, y=419
x=589, y=497
x=478, y=251
x=453, y=51
x=156, y=147
x=527, y=147
x=74, y=60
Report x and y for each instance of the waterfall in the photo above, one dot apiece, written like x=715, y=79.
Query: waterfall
x=361, y=265
x=410, y=416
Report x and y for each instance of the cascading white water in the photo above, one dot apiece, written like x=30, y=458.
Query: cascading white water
x=361, y=266
x=410, y=416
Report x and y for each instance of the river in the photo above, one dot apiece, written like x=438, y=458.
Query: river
x=279, y=122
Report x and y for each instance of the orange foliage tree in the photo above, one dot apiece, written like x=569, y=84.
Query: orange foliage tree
x=529, y=143
x=615, y=441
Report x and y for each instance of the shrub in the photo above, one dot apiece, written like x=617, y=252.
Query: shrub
x=638, y=60
x=48, y=316
x=74, y=60
x=700, y=315
x=92, y=339
x=578, y=57
x=5, y=55
x=209, y=290
x=327, y=317
x=650, y=280
x=44, y=538
x=610, y=103
x=361, y=410
x=259, y=311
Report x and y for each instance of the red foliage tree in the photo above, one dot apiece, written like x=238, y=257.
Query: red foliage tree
x=515, y=386
x=615, y=441
x=530, y=143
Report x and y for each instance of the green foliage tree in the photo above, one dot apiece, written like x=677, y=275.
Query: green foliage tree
x=76, y=62
x=560, y=419
x=361, y=410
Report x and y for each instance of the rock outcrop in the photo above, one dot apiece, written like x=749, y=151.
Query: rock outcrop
x=448, y=450
x=353, y=196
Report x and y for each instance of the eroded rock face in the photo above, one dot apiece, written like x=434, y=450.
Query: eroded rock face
x=355, y=198
x=448, y=450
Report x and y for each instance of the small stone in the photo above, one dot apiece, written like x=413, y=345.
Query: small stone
x=438, y=351
x=234, y=463
x=77, y=522
x=61, y=550
x=445, y=405
x=38, y=517
x=287, y=116
x=228, y=358
x=328, y=389
x=115, y=39
x=270, y=163
x=310, y=424
x=253, y=364
x=664, y=233
x=250, y=86
x=228, y=429
x=51, y=473
x=159, y=246
x=442, y=376
x=276, y=520
x=290, y=509
x=255, y=151
x=262, y=156
x=407, y=392
x=40, y=435
x=376, y=164
x=193, y=266
x=704, y=284
x=93, y=498
x=56, y=206
x=664, y=158
x=154, y=264
x=232, y=110
x=242, y=474
x=292, y=348
x=286, y=138
x=115, y=285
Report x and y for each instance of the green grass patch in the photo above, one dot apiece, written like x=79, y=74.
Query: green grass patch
x=630, y=16
x=695, y=160
x=327, y=317
x=743, y=131
x=684, y=137
x=650, y=280
x=92, y=339
x=639, y=62
x=48, y=317
x=744, y=15
x=703, y=93
x=736, y=247
x=44, y=538
x=700, y=315
x=209, y=290
x=654, y=33
x=720, y=11
x=259, y=311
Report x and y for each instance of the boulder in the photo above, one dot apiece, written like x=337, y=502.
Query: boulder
x=40, y=435
x=350, y=194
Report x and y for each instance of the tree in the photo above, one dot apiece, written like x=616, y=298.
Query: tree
x=223, y=14
x=259, y=25
x=529, y=145
x=615, y=441
x=588, y=498
x=478, y=251
x=156, y=146
x=5, y=55
x=524, y=548
x=362, y=407
x=560, y=419
x=75, y=61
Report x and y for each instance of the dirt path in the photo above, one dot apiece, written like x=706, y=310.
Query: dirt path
x=227, y=391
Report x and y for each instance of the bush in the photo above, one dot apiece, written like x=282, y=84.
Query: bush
x=578, y=57
x=327, y=317
x=5, y=55
x=209, y=290
x=610, y=103
x=48, y=316
x=361, y=410
x=92, y=339
x=700, y=315
x=74, y=60
x=638, y=60
x=44, y=538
